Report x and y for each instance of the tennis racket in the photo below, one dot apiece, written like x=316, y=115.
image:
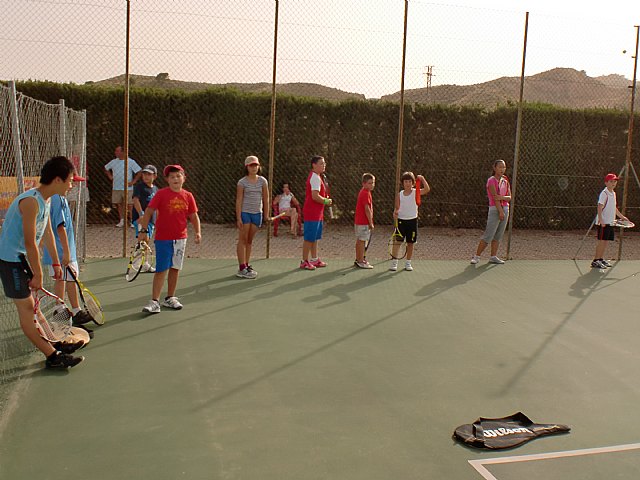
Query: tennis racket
x=397, y=244
x=326, y=186
x=418, y=188
x=623, y=223
x=280, y=215
x=51, y=315
x=89, y=301
x=136, y=260
x=366, y=245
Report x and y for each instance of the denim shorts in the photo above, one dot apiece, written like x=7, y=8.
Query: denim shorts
x=149, y=227
x=170, y=254
x=255, y=218
x=312, y=231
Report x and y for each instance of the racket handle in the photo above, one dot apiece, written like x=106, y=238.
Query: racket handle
x=331, y=216
x=25, y=265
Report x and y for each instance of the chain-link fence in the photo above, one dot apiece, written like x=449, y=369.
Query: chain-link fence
x=32, y=132
x=201, y=96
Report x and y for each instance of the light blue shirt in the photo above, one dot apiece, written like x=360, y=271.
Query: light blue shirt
x=12, y=233
x=117, y=170
x=60, y=214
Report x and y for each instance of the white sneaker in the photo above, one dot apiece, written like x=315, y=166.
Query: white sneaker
x=394, y=265
x=475, y=259
x=172, y=302
x=147, y=268
x=120, y=224
x=496, y=260
x=152, y=307
x=407, y=266
x=246, y=273
x=365, y=265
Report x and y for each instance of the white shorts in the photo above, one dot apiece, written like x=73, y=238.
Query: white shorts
x=362, y=232
x=65, y=275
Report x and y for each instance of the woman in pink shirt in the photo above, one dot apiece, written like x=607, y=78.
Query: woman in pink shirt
x=499, y=193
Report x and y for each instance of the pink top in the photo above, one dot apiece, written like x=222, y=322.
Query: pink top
x=502, y=189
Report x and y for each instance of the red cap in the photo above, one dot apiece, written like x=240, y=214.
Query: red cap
x=172, y=167
x=78, y=178
x=611, y=176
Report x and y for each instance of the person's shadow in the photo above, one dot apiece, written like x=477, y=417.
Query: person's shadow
x=585, y=283
x=443, y=284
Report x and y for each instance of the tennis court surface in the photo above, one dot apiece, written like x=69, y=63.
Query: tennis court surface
x=339, y=374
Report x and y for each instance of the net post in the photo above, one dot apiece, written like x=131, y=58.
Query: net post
x=627, y=165
x=516, y=152
x=82, y=193
x=62, y=131
x=272, y=127
x=401, y=112
x=15, y=134
x=126, y=133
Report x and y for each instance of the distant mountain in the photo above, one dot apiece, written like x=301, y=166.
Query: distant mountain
x=564, y=87
x=298, y=89
x=614, y=80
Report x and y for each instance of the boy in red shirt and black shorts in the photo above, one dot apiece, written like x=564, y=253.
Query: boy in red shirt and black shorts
x=174, y=206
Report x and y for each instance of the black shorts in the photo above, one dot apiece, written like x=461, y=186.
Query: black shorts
x=408, y=229
x=14, y=280
x=605, y=232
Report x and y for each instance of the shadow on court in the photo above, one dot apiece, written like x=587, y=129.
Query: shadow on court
x=337, y=373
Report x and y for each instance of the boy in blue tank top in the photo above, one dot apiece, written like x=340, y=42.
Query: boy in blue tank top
x=62, y=227
x=25, y=224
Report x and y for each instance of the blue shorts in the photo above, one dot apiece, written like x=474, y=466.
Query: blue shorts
x=312, y=231
x=255, y=218
x=149, y=227
x=170, y=254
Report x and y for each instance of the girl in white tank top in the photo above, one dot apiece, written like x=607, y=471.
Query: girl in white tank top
x=406, y=214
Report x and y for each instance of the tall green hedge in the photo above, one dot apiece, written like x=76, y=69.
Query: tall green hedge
x=563, y=153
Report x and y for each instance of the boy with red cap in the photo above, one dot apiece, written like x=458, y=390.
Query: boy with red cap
x=607, y=213
x=175, y=206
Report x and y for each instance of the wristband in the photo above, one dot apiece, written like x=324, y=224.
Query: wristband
x=56, y=265
x=326, y=201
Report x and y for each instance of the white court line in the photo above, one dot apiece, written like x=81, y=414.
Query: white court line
x=479, y=465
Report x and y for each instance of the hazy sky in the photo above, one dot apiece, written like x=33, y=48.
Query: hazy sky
x=354, y=45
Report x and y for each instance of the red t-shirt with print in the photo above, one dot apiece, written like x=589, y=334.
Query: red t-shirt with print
x=173, y=210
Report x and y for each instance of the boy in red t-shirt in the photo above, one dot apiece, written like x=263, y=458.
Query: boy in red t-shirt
x=174, y=206
x=364, y=219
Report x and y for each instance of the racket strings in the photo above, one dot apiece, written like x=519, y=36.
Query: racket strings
x=53, y=317
x=93, y=307
x=138, y=260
